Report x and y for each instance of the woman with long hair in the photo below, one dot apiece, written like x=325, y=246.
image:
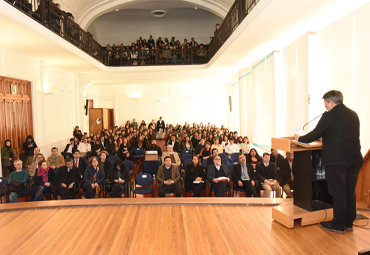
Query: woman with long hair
x=206, y=151
x=217, y=145
x=119, y=177
x=187, y=145
x=253, y=157
x=93, y=177
x=7, y=158
x=195, y=176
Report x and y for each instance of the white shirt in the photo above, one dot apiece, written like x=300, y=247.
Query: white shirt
x=70, y=149
x=84, y=147
x=231, y=148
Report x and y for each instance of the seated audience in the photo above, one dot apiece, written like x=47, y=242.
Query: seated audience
x=206, y=151
x=155, y=147
x=70, y=147
x=174, y=156
x=111, y=147
x=216, y=145
x=195, y=176
x=105, y=164
x=84, y=148
x=214, y=173
x=245, y=177
x=211, y=157
x=28, y=146
x=187, y=145
x=123, y=151
x=93, y=177
x=253, y=158
x=55, y=160
x=174, y=143
x=286, y=174
x=276, y=157
x=43, y=179
x=168, y=178
x=231, y=148
x=79, y=163
x=17, y=181
x=199, y=147
x=35, y=165
x=224, y=142
x=67, y=180
x=120, y=175
x=7, y=158
x=244, y=146
x=265, y=173
x=32, y=159
x=97, y=148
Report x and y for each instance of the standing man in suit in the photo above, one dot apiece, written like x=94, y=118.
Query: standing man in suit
x=339, y=129
x=160, y=124
x=168, y=177
x=286, y=174
x=266, y=175
x=245, y=177
x=214, y=172
x=79, y=163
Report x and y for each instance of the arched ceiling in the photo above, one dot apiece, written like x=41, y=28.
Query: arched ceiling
x=86, y=11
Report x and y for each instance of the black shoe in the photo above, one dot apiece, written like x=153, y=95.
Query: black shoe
x=349, y=229
x=327, y=226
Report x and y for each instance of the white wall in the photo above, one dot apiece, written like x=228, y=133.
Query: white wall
x=127, y=25
x=206, y=103
x=54, y=114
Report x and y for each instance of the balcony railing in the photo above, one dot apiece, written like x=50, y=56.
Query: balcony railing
x=49, y=15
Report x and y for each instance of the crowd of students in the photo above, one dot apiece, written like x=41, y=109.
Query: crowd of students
x=84, y=165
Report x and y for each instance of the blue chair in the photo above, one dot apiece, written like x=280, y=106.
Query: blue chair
x=151, y=167
x=235, y=157
x=113, y=158
x=228, y=190
x=185, y=157
x=3, y=183
x=187, y=152
x=130, y=165
x=186, y=163
x=231, y=168
x=126, y=192
x=204, y=164
x=138, y=152
x=146, y=182
x=227, y=161
x=222, y=155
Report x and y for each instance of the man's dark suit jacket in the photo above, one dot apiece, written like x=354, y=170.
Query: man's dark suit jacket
x=160, y=123
x=237, y=173
x=285, y=172
x=212, y=169
x=73, y=149
x=82, y=165
x=63, y=176
x=340, y=132
x=152, y=124
x=261, y=171
x=176, y=146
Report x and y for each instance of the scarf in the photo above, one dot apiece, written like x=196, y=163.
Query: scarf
x=43, y=173
x=54, y=159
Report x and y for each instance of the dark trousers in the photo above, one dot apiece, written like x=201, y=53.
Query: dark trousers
x=65, y=193
x=196, y=188
x=171, y=188
x=117, y=188
x=220, y=188
x=90, y=192
x=341, y=185
x=40, y=191
x=65, y=155
x=249, y=188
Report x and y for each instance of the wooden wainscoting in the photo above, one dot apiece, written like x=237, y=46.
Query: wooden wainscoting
x=15, y=112
x=363, y=181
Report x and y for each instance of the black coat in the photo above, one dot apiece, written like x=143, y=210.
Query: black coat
x=107, y=168
x=285, y=172
x=38, y=180
x=73, y=149
x=63, y=176
x=81, y=166
x=261, y=170
x=192, y=173
x=124, y=174
x=340, y=132
x=237, y=173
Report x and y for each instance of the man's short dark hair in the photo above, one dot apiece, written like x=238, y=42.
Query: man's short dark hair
x=266, y=153
x=68, y=159
x=54, y=148
x=214, y=149
x=71, y=139
x=334, y=96
x=74, y=151
x=167, y=158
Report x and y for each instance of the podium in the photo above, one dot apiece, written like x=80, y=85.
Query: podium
x=312, y=202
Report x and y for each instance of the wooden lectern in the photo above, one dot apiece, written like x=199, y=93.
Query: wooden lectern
x=312, y=202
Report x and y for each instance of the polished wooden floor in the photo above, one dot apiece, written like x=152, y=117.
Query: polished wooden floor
x=113, y=226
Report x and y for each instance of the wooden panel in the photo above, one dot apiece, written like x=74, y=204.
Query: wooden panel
x=363, y=181
x=94, y=114
x=91, y=103
x=105, y=119
x=111, y=118
x=15, y=112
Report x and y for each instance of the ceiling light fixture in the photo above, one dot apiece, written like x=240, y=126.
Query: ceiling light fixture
x=159, y=13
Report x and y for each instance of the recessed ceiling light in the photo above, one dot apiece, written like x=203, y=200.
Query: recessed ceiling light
x=159, y=13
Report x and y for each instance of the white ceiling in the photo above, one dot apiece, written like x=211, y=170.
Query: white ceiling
x=270, y=26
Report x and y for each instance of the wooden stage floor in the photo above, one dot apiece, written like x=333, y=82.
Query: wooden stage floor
x=164, y=226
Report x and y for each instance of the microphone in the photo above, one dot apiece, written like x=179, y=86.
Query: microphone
x=312, y=120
